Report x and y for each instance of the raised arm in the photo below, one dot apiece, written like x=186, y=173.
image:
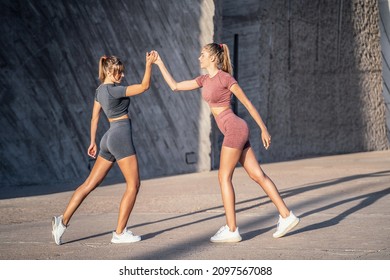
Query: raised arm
x=92, y=149
x=145, y=84
x=175, y=86
x=239, y=93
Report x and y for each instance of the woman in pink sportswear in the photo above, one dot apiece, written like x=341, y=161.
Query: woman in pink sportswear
x=217, y=88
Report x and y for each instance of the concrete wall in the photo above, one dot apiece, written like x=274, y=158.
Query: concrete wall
x=313, y=69
x=384, y=23
x=49, y=56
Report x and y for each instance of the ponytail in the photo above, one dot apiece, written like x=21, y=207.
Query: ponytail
x=226, y=63
x=221, y=51
x=102, y=73
x=110, y=64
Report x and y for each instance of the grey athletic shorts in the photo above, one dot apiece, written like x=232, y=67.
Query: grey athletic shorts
x=117, y=142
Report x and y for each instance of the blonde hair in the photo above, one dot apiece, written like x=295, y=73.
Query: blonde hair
x=110, y=64
x=221, y=51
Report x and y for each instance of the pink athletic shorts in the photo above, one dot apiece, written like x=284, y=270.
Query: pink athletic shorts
x=234, y=129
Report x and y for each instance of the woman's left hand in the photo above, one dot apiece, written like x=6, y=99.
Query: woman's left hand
x=266, y=138
x=151, y=57
x=92, y=149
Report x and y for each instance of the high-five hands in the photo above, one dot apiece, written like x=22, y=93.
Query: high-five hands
x=151, y=57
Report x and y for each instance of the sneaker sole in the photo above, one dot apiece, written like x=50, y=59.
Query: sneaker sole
x=230, y=240
x=124, y=242
x=53, y=224
x=293, y=225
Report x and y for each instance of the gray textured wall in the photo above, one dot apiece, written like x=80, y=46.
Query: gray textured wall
x=313, y=69
x=49, y=52
x=384, y=23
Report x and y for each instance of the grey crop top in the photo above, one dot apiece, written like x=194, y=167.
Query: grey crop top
x=113, y=100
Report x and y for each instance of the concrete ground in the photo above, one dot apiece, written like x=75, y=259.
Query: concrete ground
x=343, y=202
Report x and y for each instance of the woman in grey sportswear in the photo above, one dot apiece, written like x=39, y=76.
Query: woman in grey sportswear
x=116, y=146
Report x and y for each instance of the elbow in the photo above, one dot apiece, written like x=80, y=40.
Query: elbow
x=174, y=87
x=145, y=86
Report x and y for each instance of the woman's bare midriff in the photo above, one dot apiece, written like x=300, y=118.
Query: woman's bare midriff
x=217, y=110
x=118, y=118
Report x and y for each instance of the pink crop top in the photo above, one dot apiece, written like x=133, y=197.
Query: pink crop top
x=216, y=90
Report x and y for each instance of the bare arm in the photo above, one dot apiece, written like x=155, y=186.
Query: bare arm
x=239, y=93
x=92, y=149
x=145, y=84
x=175, y=86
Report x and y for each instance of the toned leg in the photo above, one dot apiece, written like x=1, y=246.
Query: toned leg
x=129, y=168
x=249, y=162
x=228, y=162
x=98, y=173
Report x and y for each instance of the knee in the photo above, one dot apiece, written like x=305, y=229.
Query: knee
x=224, y=178
x=258, y=176
x=90, y=183
x=134, y=186
x=138, y=185
x=85, y=188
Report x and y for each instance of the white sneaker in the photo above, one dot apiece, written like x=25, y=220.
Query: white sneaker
x=225, y=235
x=285, y=225
x=125, y=237
x=58, y=229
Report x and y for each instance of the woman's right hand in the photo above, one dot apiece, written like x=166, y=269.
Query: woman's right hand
x=158, y=59
x=92, y=149
x=151, y=57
